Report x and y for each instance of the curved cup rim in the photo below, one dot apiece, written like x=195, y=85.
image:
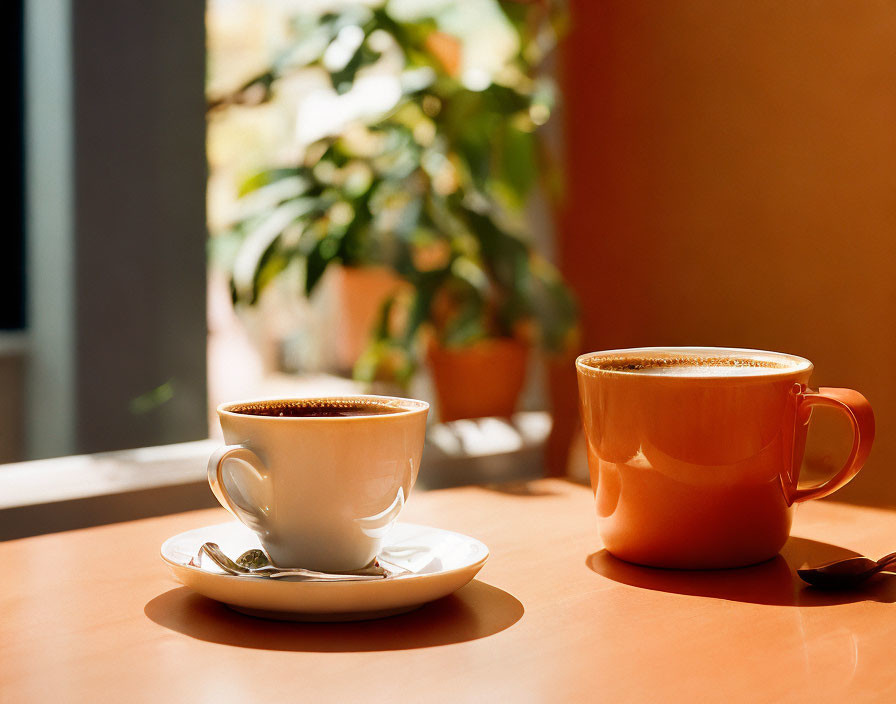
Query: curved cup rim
x=408, y=406
x=798, y=364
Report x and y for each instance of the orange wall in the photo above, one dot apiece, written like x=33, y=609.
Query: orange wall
x=732, y=181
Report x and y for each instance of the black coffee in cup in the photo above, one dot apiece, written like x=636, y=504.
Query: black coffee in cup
x=315, y=408
x=703, y=365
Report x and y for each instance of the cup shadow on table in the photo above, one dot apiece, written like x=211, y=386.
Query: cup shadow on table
x=774, y=582
x=478, y=610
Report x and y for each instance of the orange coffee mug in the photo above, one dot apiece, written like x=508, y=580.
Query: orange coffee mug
x=695, y=452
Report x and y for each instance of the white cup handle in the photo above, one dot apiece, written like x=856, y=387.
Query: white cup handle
x=251, y=503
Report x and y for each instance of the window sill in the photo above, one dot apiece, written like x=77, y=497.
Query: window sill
x=52, y=495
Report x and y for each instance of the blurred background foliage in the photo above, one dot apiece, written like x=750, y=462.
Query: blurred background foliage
x=416, y=150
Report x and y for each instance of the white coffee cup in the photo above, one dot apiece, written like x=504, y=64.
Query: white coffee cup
x=321, y=492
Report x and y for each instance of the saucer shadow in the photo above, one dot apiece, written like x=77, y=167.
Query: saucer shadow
x=774, y=582
x=478, y=610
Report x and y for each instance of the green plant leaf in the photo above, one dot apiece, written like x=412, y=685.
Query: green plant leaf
x=344, y=78
x=505, y=256
x=272, y=262
x=152, y=399
x=386, y=357
x=554, y=307
x=517, y=162
x=269, y=176
x=467, y=326
x=261, y=234
x=266, y=199
x=318, y=260
x=426, y=287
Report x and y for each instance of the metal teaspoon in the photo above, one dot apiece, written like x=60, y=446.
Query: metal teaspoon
x=225, y=563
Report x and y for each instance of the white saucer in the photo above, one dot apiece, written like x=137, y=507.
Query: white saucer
x=440, y=563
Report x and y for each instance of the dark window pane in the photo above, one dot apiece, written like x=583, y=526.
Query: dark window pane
x=12, y=262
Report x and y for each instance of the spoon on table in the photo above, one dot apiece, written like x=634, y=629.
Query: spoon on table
x=845, y=573
x=254, y=563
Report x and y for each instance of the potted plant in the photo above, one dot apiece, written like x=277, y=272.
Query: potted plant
x=474, y=315
x=430, y=183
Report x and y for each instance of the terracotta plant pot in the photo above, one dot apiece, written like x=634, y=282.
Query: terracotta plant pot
x=349, y=303
x=484, y=379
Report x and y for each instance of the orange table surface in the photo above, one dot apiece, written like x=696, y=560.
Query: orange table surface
x=550, y=618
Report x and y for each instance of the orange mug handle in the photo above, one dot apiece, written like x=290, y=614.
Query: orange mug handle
x=855, y=407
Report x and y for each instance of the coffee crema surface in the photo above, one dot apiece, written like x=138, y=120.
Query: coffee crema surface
x=697, y=365
x=316, y=409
